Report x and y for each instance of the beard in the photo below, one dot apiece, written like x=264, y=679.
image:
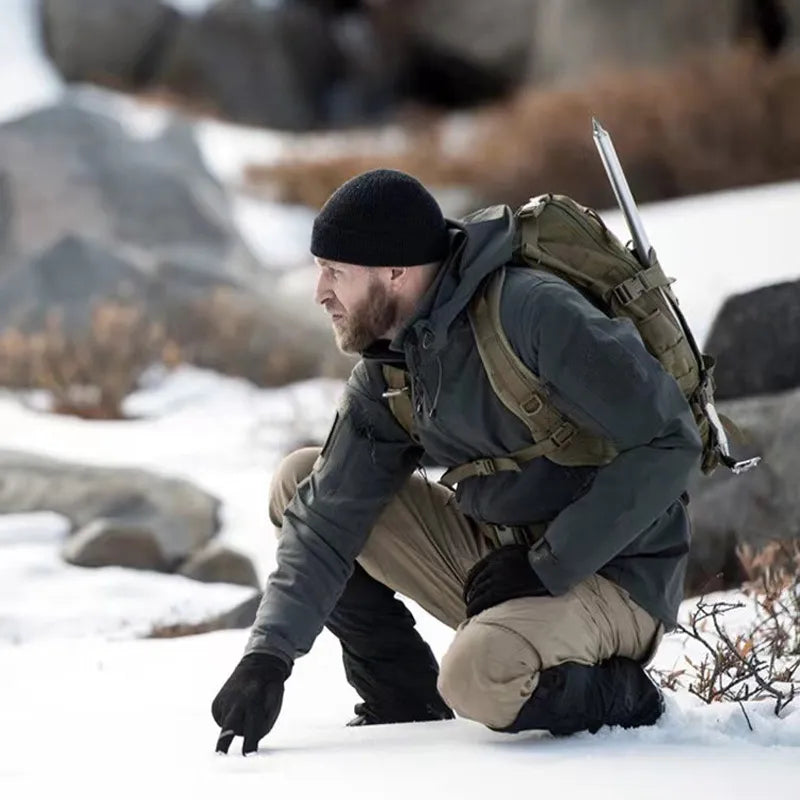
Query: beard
x=367, y=321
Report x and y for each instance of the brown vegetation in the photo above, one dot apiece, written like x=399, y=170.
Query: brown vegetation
x=90, y=374
x=760, y=661
x=710, y=124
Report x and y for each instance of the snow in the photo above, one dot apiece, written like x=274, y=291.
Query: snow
x=88, y=703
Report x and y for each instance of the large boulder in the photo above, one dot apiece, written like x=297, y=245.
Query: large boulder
x=756, y=341
x=573, y=40
x=763, y=504
x=452, y=52
x=259, y=64
x=67, y=171
x=117, y=42
x=169, y=519
x=91, y=215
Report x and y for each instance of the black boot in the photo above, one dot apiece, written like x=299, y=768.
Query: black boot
x=385, y=659
x=574, y=697
x=433, y=712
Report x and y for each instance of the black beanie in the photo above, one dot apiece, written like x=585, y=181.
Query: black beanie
x=381, y=218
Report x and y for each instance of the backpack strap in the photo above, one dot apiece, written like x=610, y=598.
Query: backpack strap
x=515, y=385
x=398, y=395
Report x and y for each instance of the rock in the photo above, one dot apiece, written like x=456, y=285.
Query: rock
x=69, y=276
x=106, y=542
x=575, y=39
x=753, y=508
x=240, y=616
x=169, y=518
x=269, y=65
x=70, y=171
x=493, y=37
x=792, y=20
x=118, y=42
x=216, y=563
x=756, y=340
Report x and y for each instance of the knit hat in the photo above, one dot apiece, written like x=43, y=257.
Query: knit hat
x=381, y=218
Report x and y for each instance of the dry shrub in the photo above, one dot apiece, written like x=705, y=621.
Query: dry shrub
x=712, y=123
x=89, y=374
x=762, y=660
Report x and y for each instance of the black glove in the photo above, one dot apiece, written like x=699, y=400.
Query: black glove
x=250, y=700
x=502, y=575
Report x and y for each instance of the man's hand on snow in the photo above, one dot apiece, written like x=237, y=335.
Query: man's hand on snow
x=250, y=700
x=502, y=575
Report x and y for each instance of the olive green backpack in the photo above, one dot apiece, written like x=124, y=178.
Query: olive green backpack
x=557, y=235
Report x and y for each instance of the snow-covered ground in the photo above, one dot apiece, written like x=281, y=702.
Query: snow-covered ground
x=90, y=708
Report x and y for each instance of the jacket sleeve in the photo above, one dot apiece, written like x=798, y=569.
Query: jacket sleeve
x=600, y=375
x=364, y=462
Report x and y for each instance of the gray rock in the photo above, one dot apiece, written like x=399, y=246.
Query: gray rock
x=216, y=563
x=756, y=340
x=494, y=37
x=575, y=39
x=753, y=508
x=106, y=41
x=107, y=542
x=68, y=277
x=792, y=8
x=70, y=171
x=254, y=63
x=240, y=616
x=179, y=517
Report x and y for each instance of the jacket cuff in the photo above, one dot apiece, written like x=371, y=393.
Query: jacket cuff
x=258, y=643
x=547, y=568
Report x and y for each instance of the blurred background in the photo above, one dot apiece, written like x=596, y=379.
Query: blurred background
x=161, y=163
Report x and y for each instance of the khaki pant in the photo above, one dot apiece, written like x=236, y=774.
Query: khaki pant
x=422, y=546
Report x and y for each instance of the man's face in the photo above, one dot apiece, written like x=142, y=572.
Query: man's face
x=359, y=302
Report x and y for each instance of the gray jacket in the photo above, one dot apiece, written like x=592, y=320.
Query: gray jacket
x=624, y=520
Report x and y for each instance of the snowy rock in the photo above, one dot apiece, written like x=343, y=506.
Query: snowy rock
x=756, y=341
x=109, y=542
x=68, y=276
x=216, y=563
x=90, y=213
x=574, y=39
x=117, y=42
x=66, y=170
x=753, y=508
x=170, y=519
x=258, y=64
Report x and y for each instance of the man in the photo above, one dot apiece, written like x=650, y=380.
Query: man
x=553, y=625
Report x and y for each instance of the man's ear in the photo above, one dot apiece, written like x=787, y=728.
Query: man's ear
x=398, y=277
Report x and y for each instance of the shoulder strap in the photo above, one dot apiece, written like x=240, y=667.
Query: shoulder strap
x=516, y=386
x=398, y=395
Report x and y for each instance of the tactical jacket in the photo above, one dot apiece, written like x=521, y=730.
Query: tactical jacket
x=625, y=520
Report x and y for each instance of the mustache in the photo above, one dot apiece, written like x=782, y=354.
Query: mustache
x=332, y=308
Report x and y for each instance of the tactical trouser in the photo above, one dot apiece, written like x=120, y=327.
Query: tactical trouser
x=422, y=546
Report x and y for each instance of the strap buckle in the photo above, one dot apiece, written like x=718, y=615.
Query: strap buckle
x=624, y=294
x=533, y=405
x=563, y=434
x=484, y=466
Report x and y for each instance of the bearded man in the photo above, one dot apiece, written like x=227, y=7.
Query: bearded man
x=558, y=581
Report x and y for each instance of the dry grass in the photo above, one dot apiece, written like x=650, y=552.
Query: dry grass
x=87, y=375
x=710, y=124
x=90, y=374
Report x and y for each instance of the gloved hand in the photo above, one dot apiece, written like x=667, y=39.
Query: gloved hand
x=502, y=575
x=250, y=700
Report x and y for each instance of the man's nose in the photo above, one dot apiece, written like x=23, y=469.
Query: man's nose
x=322, y=292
